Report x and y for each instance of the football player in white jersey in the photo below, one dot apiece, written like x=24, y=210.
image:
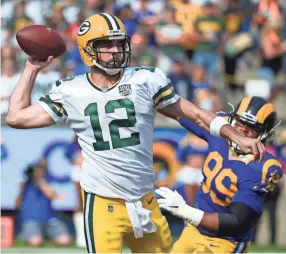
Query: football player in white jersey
x=112, y=111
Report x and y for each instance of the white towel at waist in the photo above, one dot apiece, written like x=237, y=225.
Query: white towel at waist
x=141, y=219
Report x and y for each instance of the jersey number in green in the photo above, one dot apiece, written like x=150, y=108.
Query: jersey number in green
x=114, y=125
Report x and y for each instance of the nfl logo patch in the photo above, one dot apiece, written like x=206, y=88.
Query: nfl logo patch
x=110, y=208
x=125, y=89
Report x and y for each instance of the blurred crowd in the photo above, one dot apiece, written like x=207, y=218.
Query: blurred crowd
x=211, y=49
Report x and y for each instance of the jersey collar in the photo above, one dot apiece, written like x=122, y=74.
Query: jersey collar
x=245, y=158
x=103, y=89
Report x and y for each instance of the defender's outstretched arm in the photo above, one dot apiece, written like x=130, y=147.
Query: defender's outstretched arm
x=216, y=125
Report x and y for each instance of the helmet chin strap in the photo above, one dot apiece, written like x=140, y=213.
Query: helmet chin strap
x=233, y=145
x=111, y=72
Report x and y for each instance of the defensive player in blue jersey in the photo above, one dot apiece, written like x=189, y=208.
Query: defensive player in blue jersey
x=230, y=199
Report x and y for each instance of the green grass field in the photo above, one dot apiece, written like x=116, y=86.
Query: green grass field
x=19, y=247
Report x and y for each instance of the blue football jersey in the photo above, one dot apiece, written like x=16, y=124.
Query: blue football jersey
x=232, y=180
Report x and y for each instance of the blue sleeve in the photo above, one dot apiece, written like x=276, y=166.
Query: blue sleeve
x=250, y=198
x=195, y=129
x=257, y=183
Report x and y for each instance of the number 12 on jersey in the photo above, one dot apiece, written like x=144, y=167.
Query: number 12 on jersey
x=117, y=142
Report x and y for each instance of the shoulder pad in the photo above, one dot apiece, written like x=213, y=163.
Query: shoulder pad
x=270, y=174
x=60, y=81
x=147, y=68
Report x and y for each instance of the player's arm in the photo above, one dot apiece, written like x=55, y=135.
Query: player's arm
x=184, y=108
x=203, y=118
x=195, y=129
x=217, y=126
x=168, y=102
x=198, y=129
x=246, y=204
x=236, y=222
x=21, y=113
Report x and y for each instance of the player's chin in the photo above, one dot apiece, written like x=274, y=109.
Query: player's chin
x=113, y=64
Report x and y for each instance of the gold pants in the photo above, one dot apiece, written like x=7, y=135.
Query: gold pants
x=107, y=226
x=192, y=241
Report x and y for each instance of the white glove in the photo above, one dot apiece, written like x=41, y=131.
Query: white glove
x=173, y=202
x=171, y=199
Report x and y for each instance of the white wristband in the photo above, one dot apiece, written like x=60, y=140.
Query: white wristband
x=216, y=125
x=191, y=215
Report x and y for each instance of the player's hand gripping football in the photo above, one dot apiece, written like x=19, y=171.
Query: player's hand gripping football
x=173, y=202
x=251, y=146
x=38, y=65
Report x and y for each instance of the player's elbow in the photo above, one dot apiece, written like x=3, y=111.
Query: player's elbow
x=10, y=120
x=13, y=121
x=199, y=122
x=239, y=230
x=234, y=229
x=237, y=222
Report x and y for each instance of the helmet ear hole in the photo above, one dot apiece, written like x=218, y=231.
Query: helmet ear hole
x=88, y=48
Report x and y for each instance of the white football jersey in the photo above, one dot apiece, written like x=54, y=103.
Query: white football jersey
x=114, y=128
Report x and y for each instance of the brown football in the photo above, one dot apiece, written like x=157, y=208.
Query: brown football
x=40, y=42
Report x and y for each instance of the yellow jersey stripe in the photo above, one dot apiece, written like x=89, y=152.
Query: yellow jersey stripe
x=161, y=90
x=52, y=106
x=163, y=95
x=266, y=166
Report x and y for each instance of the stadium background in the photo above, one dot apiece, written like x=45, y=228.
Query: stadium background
x=145, y=21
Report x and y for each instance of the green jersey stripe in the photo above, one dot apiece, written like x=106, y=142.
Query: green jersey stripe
x=162, y=90
x=52, y=106
x=60, y=106
x=171, y=95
